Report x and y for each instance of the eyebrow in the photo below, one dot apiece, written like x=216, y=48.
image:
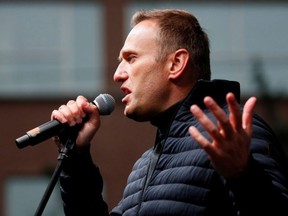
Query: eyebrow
x=124, y=53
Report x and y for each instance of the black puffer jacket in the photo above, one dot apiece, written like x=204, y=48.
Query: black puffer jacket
x=176, y=177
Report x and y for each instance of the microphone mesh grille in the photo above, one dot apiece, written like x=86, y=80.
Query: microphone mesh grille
x=105, y=104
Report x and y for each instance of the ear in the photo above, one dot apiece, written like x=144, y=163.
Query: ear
x=179, y=60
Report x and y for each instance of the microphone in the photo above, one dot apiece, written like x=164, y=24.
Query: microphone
x=104, y=102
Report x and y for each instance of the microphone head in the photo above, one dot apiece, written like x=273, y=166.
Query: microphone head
x=105, y=104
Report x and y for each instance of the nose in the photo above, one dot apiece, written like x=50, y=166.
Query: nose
x=120, y=74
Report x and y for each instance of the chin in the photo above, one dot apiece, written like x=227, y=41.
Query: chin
x=139, y=117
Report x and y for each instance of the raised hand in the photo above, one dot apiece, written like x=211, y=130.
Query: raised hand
x=229, y=149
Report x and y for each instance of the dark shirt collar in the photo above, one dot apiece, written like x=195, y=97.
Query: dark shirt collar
x=163, y=120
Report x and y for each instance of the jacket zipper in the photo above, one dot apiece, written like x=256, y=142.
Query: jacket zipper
x=157, y=151
x=151, y=167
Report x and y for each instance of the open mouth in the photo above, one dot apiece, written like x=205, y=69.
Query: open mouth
x=126, y=92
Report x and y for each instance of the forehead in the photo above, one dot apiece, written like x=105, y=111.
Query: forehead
x=146, y=27
x=142, y=36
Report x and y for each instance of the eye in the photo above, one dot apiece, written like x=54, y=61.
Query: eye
x=131, y=58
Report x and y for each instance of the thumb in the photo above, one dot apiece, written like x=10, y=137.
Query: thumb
x=91, y=111
x=91, y=123
x=247, y=116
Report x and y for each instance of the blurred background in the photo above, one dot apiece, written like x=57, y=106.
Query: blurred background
x=52, y=51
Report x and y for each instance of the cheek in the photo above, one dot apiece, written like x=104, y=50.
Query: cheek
x=149, y=81
x=147, y=86
x=155, y=92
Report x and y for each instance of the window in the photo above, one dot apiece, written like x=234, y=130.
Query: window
x=23, y=196
x=50, y=49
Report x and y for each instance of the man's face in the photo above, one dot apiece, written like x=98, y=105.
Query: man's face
x=144, y=79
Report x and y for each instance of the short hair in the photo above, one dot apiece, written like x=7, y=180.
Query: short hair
x=180, y=29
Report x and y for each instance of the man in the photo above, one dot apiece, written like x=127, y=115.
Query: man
x=211, y=155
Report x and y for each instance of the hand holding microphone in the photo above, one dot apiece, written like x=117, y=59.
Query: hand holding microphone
x=74, y=112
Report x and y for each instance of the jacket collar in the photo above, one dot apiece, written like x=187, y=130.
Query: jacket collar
x=217, y=89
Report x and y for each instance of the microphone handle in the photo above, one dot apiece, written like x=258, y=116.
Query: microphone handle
x=36, y=136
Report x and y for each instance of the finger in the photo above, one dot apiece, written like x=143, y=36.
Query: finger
x=82, y=102
x=66, y=112
x=235, y=112
x=207, y=124
x=88, y=109
x=75, y=111
x=202, y=141
x=56, y=114
x=220, y=115
x=248, y=114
